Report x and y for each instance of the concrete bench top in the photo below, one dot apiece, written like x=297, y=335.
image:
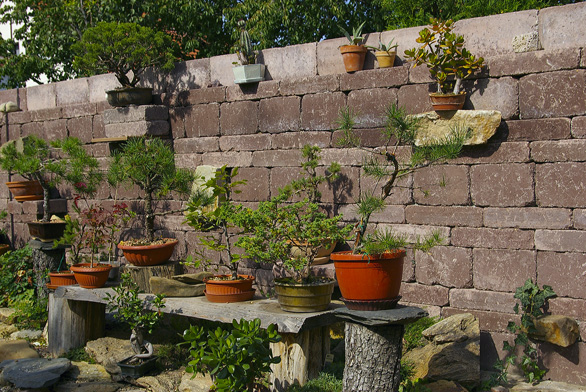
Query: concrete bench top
x=267, y=310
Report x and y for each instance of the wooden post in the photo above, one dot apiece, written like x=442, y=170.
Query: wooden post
x=46, y=258
x=302, y=357
x=142, y=275
x=374, y=341
x=73, y=323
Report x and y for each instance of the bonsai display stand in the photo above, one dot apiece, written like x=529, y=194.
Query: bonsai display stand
x=374, y=343
x=46, y=258
x=77, y=315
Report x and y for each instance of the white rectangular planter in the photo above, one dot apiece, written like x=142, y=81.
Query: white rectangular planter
x=250, y=73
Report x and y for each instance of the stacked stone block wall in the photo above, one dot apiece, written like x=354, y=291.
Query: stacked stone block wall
x=511, y=209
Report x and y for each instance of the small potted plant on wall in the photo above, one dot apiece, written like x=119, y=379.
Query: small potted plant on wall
x=354, y=52
x=123, y=48
x=443, y=52
x=220, y=227
x=142, y=316
x=369, y=275
x=149, y=164
x=67, y=161
x=248, y=71
x=385, y=54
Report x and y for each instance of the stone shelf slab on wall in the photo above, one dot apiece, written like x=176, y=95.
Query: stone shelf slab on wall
x=136, y=121
x=434, y=127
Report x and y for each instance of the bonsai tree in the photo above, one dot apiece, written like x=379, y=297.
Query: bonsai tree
x=384, y=167
x=150, y=165
x=140, y=314
x=121, y=48
x=32, y=158
x=444, y=54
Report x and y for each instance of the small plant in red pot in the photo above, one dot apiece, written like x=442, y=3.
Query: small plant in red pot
x=370, y=274
x=149, y=164
x=221, y=228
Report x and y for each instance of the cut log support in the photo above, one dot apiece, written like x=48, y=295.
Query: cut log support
x=142, y=275
x=46, y=258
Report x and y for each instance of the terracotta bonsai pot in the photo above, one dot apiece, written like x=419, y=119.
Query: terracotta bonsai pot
x=303, y=297
x=374, y=278
x=46, y=231
x=130, y=96
x=442, y=102
x=385, y=59
x=353, y=56
x=224, y=291
x=91, y=278
x=25, y=190
x=62, y=278
x=149, y=254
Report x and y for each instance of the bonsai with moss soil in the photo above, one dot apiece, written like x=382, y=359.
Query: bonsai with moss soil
x=449, y=63
x=149, y=164
x=50, y=164
x=220, y=228
x=370, y=274
x=123, y=48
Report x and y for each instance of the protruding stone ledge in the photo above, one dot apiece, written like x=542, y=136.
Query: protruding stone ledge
x=559, y=330
x=136, y=121
x=434, y=127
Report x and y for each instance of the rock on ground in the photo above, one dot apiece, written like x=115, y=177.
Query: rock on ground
x=16, y=349
x=34, y=372
x=5, y=314
x=88, y=372
x=108, y=351
x=198, y=384
x=168, y=381
x=28, y=334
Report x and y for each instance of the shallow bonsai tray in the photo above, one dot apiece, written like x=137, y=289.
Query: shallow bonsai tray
x=139, y=370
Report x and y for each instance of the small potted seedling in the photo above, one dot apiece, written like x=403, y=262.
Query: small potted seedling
x=141, y=315
x=248, y=71
x=354, y=52
x=385, y=53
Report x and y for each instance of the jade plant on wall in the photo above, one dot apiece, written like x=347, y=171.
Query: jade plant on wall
x=149, y=165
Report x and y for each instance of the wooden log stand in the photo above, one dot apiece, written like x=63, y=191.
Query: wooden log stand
x=76, y=315
x=142, y=275
x=374, y=343
x=46, y=258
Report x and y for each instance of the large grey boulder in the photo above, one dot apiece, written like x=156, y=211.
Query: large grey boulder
x=34, y=372
x=453, y=351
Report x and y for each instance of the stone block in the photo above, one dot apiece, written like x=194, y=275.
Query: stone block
x=370, y=105
x=189, y=161
x=560, y=240
x=443, y=216
x=495, y=94
x=14, y=95
x=419, y=74
x=560, y=184
x=561, y=270
x=46, y=114
x=239, y=118
x=83, y=109
x=99, y=84
x=221, y=69
x=579, y=127
x=188, y=75
x=229, y=158
x=502, y=185
x=40, y=97
x=135, y=113
x=72, y=92
x=447, y=266
x=245, y=143
x=492, y=301
x=526, y=42
x=34, y=128
x=503, y=238
x=205, y=95
x=275, y=158
x=541, y=129
x=98, y=130
x=320, y=111
x=296, y=140
x=401, y=194
x=202, y=120
x=310, y=85
x=428, y=294
x=414, y=98
x=177, y=121
x=81, y=128
x=493, y=153
x=504, y=28
x=279, y=114
x=489, y=265
x=488, y=321
x=329, y=59
x=559, y=151
x=54, y=129
x=540, y=95
x=560, y=330
x=257, y=185
x=528, y=218
x=252, y=91
x=533, y=62
x=442, y=185
x=18, y=117
x=391, y=214
x=291, y=62
x=571, y=307
x=137, y=128
x=368, y=137
x=196, y=145
x=579, y=219
x=562, y=27
x=375, y=78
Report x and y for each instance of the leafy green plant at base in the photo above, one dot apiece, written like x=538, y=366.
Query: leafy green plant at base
x=79, y=355
x=532, y=300
x=16, y=276
x=235, y=359
x=31, y=312
x=172, y=356
x=325, y=382
x=413, y=336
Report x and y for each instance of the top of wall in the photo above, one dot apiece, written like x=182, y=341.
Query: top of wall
x=557, y=28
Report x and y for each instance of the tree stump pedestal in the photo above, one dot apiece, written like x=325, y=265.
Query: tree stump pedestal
x=142, y=275
x=46, y=258
x=374, y=343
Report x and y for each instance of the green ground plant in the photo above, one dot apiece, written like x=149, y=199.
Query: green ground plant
x=325, y=382
x=413, y=336
x=79, y=355
x=16, y=276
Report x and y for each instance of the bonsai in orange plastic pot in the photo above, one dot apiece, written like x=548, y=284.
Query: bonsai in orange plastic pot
x=353, y=53
x=369, y=275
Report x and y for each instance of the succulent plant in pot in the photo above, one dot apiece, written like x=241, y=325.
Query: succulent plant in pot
x=449, y=63
x=50, y=164
x=248, y=71
x=385, y=53
x=354, y=52
x=125, y=49
x=369, y=275
x=149, y=164
x=219, y=229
